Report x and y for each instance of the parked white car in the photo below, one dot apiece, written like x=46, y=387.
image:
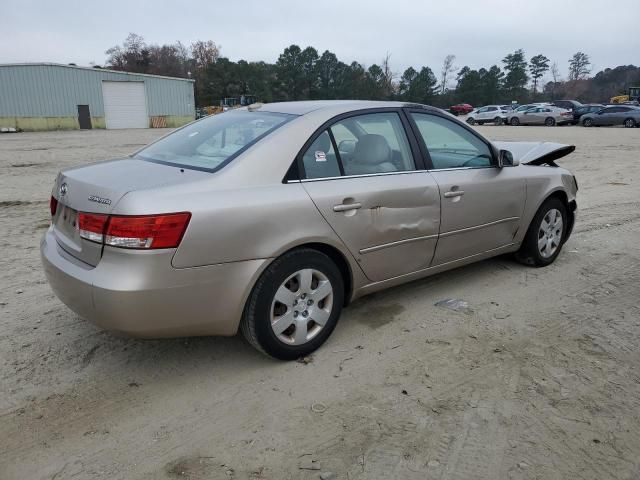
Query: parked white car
x=496, y=114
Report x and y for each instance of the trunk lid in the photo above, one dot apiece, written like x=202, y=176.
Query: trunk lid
x=98, y=188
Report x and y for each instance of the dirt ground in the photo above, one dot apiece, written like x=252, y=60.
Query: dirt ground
x=538, y=379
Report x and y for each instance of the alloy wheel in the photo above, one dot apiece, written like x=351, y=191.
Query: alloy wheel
x=301, y=306
x=550, y=233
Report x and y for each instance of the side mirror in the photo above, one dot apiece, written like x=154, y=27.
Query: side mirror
x=505, y=159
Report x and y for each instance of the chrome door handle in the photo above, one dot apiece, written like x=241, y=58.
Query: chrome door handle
x=345, y=207
x=454, y=193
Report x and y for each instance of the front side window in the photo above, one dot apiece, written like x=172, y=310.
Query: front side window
x=212, y=142
x=451, y=145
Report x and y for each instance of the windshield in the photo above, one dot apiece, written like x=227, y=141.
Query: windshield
x=214, y=141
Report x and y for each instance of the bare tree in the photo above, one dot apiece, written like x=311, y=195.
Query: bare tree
x=579, y=66
x=555, y=72
x=447, y=70
x=204, y=53
x=387, y=75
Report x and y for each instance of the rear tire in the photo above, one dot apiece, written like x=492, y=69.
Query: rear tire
x=629, y=123
x=546, y=234
x=550, y=122
x=498, y=121
x=283, y=280
x=587, y=122
x=515, y=122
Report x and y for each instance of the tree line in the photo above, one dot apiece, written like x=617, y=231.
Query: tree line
x=305, y=74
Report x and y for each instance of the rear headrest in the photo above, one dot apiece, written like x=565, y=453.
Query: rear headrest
x=372, y=149
x=322, y=143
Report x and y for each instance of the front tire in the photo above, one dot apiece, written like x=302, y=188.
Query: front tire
x=471, y=121
x=587, y=122
x=546, y=234
x=515, y=122
x=629, y=123
x=295, y=305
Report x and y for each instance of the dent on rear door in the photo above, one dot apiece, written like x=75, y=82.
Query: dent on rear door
x=394, y=231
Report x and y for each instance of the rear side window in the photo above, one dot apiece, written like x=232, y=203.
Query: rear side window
x=450, y=145
x=320, y=160
x=214, y=141
x=367, y=144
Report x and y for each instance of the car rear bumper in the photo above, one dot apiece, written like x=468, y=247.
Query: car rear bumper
x=138, y=292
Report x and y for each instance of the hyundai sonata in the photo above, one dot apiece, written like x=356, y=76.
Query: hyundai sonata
x=270, y=219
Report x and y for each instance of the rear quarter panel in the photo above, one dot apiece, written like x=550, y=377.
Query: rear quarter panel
x=236, y=224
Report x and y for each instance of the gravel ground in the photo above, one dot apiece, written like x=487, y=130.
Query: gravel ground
x=538, y=379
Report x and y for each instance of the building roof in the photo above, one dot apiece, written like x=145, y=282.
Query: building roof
x=46, y=64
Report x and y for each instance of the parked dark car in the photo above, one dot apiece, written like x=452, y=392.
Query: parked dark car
x=461, y=109
x=584, y=109
x=626, y=115
x=568, y=104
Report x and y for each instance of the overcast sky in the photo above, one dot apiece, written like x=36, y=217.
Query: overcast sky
x=479, y=32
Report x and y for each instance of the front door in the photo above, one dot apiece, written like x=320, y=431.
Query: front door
x=362, y=177
x=481, y=204
x=84, y=117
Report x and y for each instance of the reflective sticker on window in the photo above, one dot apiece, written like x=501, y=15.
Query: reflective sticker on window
x=321, y=156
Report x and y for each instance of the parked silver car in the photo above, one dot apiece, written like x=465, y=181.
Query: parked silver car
x=542, y=115
x=522, y=108
x=627, y=115
x=271, y=218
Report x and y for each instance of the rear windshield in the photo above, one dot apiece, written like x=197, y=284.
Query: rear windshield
x=214, y=141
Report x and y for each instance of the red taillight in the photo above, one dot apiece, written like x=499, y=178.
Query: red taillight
x=91, y=226
x=147, y=232
x=53, y=205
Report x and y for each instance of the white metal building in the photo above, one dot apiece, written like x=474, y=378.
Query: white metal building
x=47, y=96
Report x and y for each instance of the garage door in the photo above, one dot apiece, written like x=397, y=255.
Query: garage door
x=125, y=105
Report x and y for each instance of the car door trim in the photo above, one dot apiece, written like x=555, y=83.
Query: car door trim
x=382, y=246
x=363, y=175
x=478, y=227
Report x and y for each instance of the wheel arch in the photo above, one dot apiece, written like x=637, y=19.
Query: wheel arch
x=571, y=209
x=334, y=253
x=570, y=205
x=338, y=258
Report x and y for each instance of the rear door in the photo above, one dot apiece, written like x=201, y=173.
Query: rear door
x=536, y=116
x=620, y=115
x=481, y=204
x=362, y=175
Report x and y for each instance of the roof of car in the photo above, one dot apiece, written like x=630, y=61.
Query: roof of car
x=307, y=106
